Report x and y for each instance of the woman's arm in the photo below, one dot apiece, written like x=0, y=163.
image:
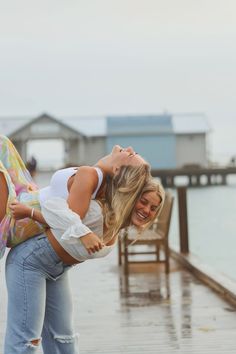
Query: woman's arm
x=90, y=240
x=80, y=192
x=21, y=211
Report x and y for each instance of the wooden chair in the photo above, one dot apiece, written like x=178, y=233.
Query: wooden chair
x=156, y=236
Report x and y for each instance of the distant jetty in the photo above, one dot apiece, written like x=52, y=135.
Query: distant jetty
x=195, y=176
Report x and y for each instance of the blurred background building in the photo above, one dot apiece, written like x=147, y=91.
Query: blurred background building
x=165, y=140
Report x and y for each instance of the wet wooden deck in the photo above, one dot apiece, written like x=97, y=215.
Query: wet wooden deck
x=150, y=314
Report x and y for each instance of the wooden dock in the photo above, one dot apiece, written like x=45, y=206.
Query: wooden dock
x=195, y=176
x=148, y=313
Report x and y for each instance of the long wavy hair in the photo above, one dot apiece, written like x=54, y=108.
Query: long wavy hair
x=122, y=193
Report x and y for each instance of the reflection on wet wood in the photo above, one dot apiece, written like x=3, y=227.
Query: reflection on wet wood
x=149, y=313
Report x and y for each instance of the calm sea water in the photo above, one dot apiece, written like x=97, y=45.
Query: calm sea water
x=211, y=223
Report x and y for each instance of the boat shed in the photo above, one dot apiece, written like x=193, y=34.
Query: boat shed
x=83, y=138
x=165, y=140
x=191, y=139
x=151, y=136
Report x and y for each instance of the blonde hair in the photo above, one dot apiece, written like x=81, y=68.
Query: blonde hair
x=122, y=193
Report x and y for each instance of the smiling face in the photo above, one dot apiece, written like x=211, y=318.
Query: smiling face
x=146, y=208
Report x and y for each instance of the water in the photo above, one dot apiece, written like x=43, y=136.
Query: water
x=212, y=226
x=211, y=222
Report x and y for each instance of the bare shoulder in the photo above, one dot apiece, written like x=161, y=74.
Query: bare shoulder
x=87, y=170
x=86, y=174
x=83, y=185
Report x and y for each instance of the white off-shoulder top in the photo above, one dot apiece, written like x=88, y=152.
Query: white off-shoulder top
x=58, y=184
x=67, y=227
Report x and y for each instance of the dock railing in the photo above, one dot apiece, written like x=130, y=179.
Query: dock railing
x=196, y=177
x=217, y=281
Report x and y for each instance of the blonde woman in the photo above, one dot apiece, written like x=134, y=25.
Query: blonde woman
x=72, y=184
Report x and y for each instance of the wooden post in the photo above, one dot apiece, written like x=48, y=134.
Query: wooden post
x=183, y=219
x=223, y=179
x=126, y=256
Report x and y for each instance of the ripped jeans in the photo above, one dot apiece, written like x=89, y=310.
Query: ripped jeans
x=39, y=301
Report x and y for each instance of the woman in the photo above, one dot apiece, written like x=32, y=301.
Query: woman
x=39, y=298
x=72, y=184
x=36, y=269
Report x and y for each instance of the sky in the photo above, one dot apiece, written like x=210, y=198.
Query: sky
x=100, y=57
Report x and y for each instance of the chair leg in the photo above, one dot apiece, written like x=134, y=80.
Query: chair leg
x=167, y=258
x=126, y=257
x=157, y=253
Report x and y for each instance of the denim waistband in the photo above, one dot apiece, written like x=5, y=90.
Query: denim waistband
x=37, y=254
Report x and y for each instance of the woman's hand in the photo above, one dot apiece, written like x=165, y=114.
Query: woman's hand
x=19, y=210
x=92, y=243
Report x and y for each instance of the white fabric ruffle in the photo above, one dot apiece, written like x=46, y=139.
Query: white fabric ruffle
x=68, y=227
x=59, y=216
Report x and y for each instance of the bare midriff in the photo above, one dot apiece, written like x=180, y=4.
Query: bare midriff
x=60, y=251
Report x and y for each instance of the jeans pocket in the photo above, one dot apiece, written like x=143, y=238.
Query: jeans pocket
x=44, y=261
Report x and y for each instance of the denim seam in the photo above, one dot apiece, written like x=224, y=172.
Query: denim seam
x=44, y=272
x=51, y=250
x=33, y=251
x=53, y=253
x=25, y=297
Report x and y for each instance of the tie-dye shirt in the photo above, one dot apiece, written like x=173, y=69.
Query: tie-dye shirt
x=20, y=187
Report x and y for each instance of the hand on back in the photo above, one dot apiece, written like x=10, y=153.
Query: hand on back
x=92, y=243
x=19, y=210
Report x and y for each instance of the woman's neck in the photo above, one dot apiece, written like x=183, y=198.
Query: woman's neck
x=106, y=165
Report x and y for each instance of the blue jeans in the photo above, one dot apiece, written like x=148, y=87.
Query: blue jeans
x=39, y=300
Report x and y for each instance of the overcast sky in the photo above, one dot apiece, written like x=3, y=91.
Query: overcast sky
x=86, y=57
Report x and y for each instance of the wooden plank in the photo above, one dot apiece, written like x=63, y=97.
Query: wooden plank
x=148, y=313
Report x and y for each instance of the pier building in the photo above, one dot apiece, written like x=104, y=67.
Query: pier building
x=167, y=141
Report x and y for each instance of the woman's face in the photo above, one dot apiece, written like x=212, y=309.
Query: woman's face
x=145, y=209
x=126, y=156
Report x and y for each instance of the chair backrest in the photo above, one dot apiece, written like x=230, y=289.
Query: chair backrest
x=163, y=221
